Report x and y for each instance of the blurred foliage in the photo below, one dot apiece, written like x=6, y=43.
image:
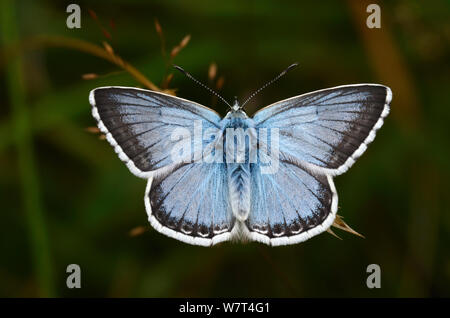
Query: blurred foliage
x=66, y=197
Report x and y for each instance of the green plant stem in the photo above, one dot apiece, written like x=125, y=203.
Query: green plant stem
x=82, y=46
x=21, y=129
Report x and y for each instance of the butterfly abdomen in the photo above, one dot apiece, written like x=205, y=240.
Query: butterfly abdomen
x=239, y=189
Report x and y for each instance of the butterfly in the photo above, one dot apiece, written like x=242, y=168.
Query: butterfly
x=284, y=194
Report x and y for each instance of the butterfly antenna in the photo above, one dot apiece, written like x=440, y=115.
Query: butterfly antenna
x=290, y=67
x=201, y=84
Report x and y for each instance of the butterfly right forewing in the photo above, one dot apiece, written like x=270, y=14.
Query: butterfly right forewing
x=328, y=129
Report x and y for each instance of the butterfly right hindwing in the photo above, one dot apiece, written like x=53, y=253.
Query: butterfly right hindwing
x=290, y=205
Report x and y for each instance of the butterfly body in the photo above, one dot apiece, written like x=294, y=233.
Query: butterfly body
x=266, y=178
x=237, y=164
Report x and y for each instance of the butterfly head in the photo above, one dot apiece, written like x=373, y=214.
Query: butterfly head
x=236, y=107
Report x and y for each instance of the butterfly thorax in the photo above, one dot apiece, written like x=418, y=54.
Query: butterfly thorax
x=239, y=140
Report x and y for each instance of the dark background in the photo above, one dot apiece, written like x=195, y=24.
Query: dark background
x=66, y=197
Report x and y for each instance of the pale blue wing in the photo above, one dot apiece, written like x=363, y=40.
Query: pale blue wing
x=291, y=205
x=191, y=204
x=139, y=123
x=185, y=200
x=328, y=130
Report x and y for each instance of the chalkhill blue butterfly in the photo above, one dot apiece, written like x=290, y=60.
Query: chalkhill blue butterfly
x=265, y=178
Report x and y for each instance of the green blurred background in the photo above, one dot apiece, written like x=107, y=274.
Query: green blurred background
x=66, y=197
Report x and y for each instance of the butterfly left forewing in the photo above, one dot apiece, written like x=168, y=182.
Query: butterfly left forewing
x=140, y=124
